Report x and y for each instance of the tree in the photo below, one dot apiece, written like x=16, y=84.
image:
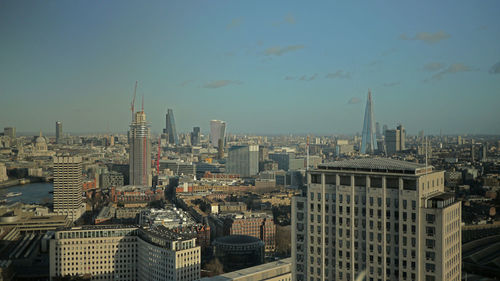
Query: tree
x=214, y=267
x=283, y=240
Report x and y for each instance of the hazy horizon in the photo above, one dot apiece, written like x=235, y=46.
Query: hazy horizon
x=263, y=67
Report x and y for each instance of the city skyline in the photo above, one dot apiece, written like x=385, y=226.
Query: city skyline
x=279, y=70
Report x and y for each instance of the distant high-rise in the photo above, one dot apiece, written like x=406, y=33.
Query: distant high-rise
x=217, y=131
x=243, y=160
x=368, y=140
x=384, y=128
x=170, y=128
x=392, y=141
x=395, y=140
x=195, y=136
x=377, y=130
x=68, y=187
x=59, y=131
x=402, y=137
x=10, y=132
x=140, y=151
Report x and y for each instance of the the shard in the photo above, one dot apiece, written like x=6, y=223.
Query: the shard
x=369, y=139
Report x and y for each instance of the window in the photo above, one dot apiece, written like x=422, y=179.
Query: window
x=392, y=182
x=315, y=178
x=360, y=181
x=330, y=179
x=430, y=218
x=345, y=180
x=376, y=182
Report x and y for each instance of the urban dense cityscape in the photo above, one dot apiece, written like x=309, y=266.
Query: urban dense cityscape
x=192, y=197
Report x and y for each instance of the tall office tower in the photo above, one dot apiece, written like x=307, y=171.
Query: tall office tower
x=383, y=218
x=10, y=132
x=402, y=137
x=472, y=153
x=170, y=130
x=59, y=131
x=68, y=187
x=377, y=130
x=118, y=252
x=368, y=140
x=217, y=131
x=384, y=128
x=392, y=141
x=484, y=152
x=195, y=136
x=243, y=160
x=140, y=151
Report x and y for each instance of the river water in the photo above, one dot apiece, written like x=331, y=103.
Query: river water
x=31, y=193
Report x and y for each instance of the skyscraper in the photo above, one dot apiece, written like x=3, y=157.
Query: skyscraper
x=392, y=141
x=402, y=137
x=243, y=160
x=195, y=136
x=377, y=130
x=217, y=131
x=140, y=151
x=368, y=140
x=380, y=218
x=68, y=187
x=170, y=130
x=59, y=131
x=395, y=140
x=10, y=132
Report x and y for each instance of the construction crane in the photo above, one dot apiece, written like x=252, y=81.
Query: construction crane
x=132, y=104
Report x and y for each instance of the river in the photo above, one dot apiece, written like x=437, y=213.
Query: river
x=31, y=193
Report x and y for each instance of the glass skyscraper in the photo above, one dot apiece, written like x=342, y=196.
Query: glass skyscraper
x=369, y=139
x=170, y=128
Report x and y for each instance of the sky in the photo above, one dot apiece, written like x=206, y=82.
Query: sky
x=264, y=67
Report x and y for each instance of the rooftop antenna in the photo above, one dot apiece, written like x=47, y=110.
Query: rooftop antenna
x=426, y=146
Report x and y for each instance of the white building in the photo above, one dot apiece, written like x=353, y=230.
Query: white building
x=383, y=218
x=124, y=253
x=68, y=187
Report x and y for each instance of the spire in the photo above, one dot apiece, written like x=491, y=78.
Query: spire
x=40, y=133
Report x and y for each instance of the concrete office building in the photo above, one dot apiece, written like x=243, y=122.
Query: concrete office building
x=217, y=131
x=395, y=140
x=59, y=131
x=243, y=160
x=68, y=187
x=170, y=130
x=10, y=132
x=195, y=136
x=402, y=137
x=388, y=219
x=117, y=252
x=108, y=180
x=140, y=151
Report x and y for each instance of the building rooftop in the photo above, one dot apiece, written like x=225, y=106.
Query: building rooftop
x=267, y=270
x=237, y=240
x=377, y=165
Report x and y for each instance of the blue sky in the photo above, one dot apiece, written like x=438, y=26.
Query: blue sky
x=266, y=67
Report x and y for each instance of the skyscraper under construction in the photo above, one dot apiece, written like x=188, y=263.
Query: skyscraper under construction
x=140, y=151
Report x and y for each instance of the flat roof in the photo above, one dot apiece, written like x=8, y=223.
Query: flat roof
x=248, y=273
x=375, y=165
